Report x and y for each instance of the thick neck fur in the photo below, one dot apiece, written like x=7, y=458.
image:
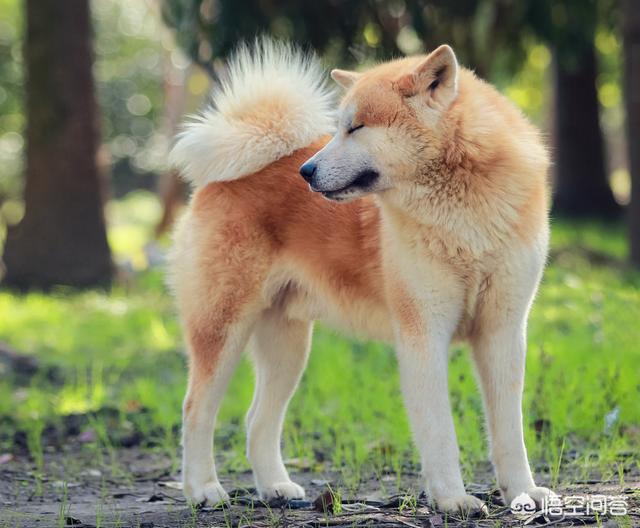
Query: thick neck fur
x=488, y=180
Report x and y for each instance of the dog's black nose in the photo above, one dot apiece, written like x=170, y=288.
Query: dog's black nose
x=308, y=170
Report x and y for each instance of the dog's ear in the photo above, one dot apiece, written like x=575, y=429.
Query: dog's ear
x=345, y=78
x=437, y=74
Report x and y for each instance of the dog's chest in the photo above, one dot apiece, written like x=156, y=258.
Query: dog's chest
x=439, y=268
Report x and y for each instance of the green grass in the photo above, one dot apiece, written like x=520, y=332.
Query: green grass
x=119, y=360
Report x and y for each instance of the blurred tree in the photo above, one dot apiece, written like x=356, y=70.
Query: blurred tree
x=581, y=183
x=488, y=35
x=129, y=68
x=208, y=29
x=131, y=48
x=569, y=26
x=172, y=190
x=354, y=31
x=631, y=35
x=62, y=238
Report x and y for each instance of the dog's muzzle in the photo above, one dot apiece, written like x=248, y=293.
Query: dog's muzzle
x=362, y=181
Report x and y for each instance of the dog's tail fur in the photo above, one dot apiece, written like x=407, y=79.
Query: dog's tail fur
x=273, y=101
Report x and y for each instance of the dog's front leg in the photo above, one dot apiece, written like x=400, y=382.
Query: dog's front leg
x=422, y=346
x=499, y=353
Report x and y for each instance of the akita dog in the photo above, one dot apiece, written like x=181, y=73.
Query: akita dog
x=442, y=235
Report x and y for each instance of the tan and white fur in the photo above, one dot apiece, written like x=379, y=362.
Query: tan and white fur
x=447, y=239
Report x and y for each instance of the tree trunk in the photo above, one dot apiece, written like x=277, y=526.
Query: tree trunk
x=581, y=184
x=631, y=35
x=62, y=238
x=171, y=188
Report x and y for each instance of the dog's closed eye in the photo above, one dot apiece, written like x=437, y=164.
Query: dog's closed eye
x=352, y=129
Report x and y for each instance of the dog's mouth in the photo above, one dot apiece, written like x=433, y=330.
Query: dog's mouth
x=342, y=195
x=362, y=182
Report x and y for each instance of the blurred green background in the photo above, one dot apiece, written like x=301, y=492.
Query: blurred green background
x=101, y=342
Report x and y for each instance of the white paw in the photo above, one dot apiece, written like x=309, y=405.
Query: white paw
x=211, y=493
x=537, y=494
x=281, y=490
x=464, y=504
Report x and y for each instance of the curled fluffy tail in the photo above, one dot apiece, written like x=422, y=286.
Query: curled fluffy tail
x=273, y=101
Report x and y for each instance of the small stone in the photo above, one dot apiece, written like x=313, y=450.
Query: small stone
x=96, y=473
x=62, y=484
x=87, y=437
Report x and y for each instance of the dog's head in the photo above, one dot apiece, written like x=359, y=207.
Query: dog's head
x=389, y=126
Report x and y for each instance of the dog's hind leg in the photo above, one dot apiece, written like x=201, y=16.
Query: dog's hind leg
x=280, y=354
x=214, y=350
x=219, y=264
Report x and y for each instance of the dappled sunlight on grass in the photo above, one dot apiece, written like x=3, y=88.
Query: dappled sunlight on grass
x=82, y=396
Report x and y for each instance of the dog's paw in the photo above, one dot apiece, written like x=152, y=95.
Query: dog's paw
x=540, y=494
x=210, y=493
x=531, y=500
x=463, y=505
x=537, y=494
x=281, y=490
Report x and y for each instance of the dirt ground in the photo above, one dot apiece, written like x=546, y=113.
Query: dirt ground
x=136, y=488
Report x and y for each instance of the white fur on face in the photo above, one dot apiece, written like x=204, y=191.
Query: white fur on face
x=339, y=163
x=344, y=160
